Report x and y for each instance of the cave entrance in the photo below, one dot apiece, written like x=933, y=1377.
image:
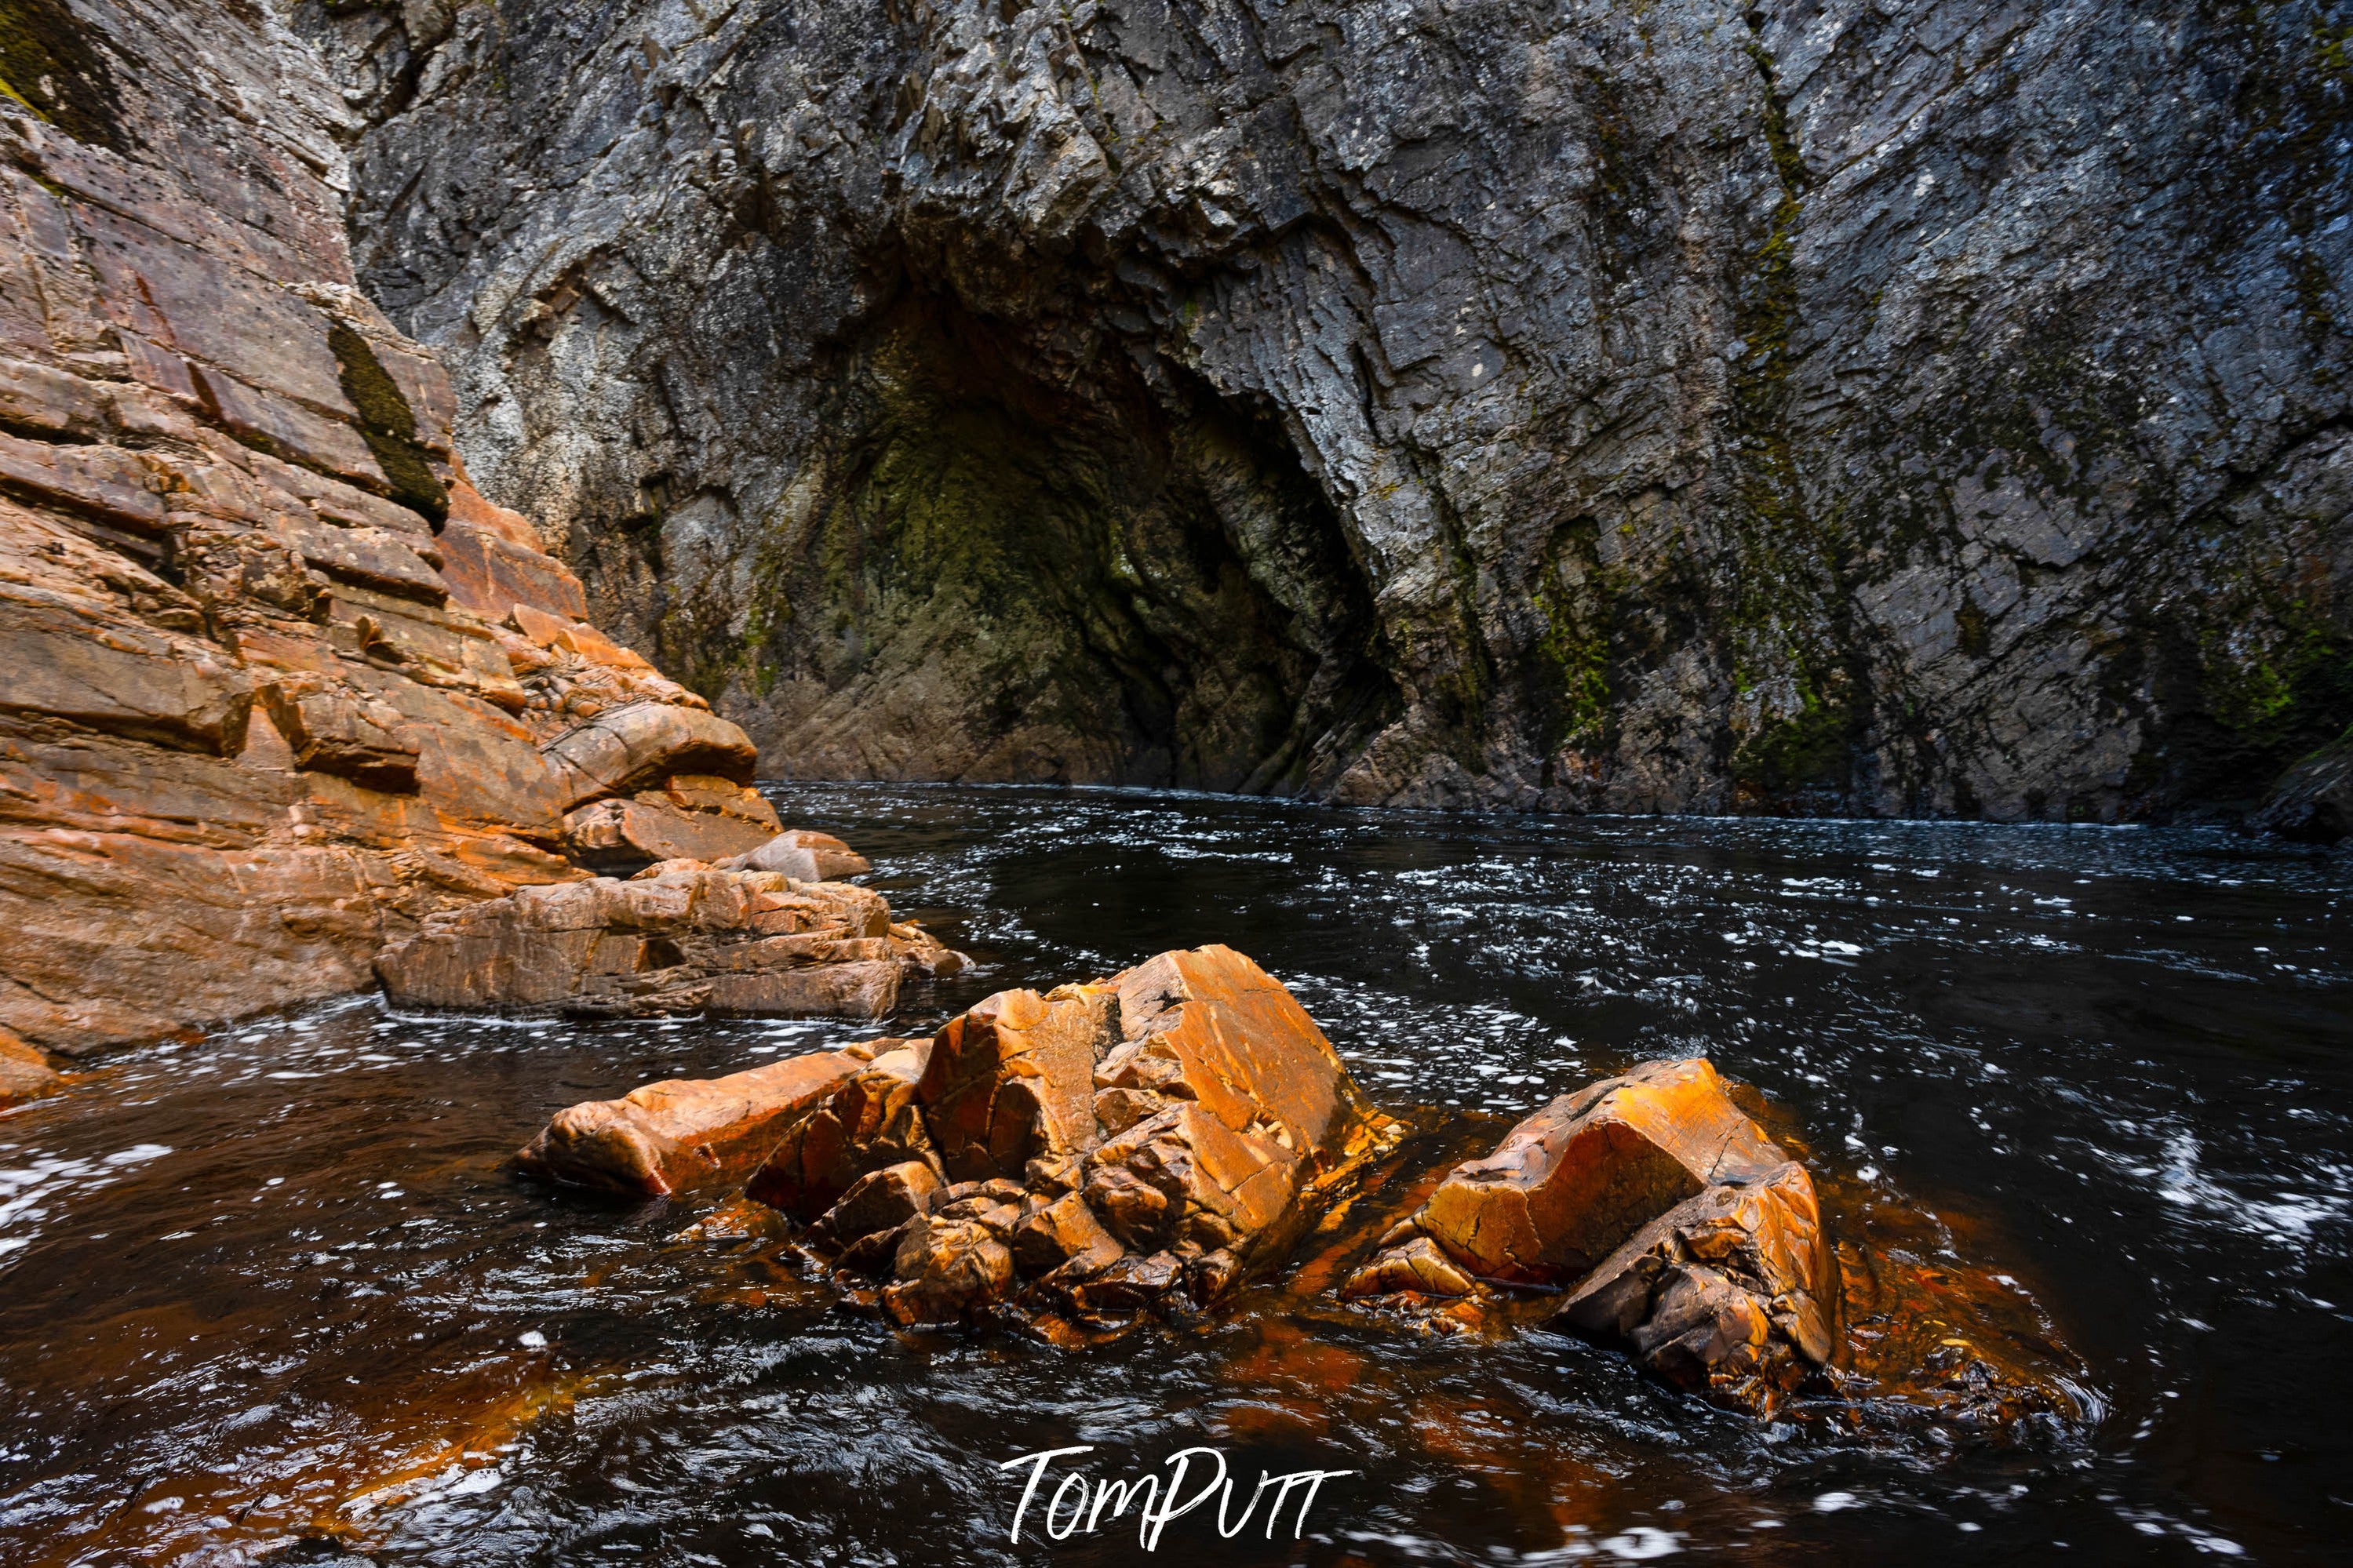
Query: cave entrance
x=1033, y=573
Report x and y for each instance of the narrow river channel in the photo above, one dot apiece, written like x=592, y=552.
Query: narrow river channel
x=275, y=1292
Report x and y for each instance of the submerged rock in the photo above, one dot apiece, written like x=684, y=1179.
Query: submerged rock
x=679, y=937
x=1682, y=1231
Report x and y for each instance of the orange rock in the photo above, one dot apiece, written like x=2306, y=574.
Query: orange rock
x=608, y=833
x=201, y=385
x=1416, y=1266
x=1063, y=1236
x=1210, y=1026
x=629, y=747
x=1009, y=1097
x=947, y=1269
x=345, y=734
x=1732, y=1293
x=467, y=506
x=881, y=1200
x=683, y=1134
x=1689, y=1235
x=25, y=1072
x=871, y=1121
x=1013, y=1079
x=809, y=855
x=492, y=576
x=1570, y=1184
x=1185, y=1177
x=678, y=938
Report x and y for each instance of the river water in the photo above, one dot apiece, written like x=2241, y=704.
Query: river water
x=273, y=1295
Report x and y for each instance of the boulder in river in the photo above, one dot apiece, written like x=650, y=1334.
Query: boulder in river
x=1084, y=1154
x=2313, y=801
x=1679, y=1228
x=683, y=1133
x=679, y=937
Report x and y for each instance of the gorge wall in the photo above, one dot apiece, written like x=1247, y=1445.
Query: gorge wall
x=1917, y=406
x=279, y=683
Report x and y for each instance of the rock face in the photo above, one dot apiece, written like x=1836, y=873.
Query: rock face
x=25, y=1072
x=679, y=937
x=675, y=1136
x=1685, y=1233
x=280, y=683
x=2313, y=801
x=1917, y=406
x=1086, y=1153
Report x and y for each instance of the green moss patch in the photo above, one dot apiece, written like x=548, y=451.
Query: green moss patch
x=388, y=425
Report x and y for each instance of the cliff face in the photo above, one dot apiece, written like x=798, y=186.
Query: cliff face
x=1893, y=408
x=278, y=681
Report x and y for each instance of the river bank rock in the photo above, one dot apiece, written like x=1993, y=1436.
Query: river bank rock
x=683, y=1133
x=679, y=937
x=282, y=684
x=805, y=854
x=2313, y=801
x=1681, y=1230
x=25, y=1072
x=1081, y=1155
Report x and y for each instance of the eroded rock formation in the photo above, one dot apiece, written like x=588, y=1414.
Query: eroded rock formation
x=279, y=683
x=1074, y=1157
x=679, y=937
x=1679, y=1228
x=675, y=1136
x=1936, y=407
x=25, y=1072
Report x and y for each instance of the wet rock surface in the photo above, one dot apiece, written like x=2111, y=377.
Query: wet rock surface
x=679, y=937
x=281, y=683
x=671, y=1138
x=2313, y=801
x=1678, y=1227
x=1909, y=408
x=1081, y=1156
x=25, y=1072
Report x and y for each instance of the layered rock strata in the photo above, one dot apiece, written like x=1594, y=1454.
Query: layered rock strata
x=1679, y=1230
x=280, y=683
x=1911, y=406
x=679, y=937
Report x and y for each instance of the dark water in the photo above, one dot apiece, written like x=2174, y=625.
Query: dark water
x=274, y=1292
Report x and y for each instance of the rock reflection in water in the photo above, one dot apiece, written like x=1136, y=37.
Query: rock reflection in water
x=2007, y=1035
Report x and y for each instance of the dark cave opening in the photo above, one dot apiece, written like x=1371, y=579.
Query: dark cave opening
x=1073, y=574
